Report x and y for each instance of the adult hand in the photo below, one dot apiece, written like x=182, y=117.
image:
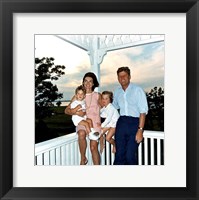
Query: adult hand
x=139, y=136
x=80, y=113
x=79, y=106
x=75, y=110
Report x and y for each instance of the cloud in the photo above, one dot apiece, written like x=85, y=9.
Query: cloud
x=146, y=64
x=70, y=81
x=150, y=68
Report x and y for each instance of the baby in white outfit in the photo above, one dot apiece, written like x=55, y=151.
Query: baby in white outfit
x=79, y=104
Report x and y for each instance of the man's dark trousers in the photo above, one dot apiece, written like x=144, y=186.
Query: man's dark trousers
x=126, y=145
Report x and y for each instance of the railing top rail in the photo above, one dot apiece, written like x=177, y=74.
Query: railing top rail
x=154, y=134
x=70, y=138
x=56, y=142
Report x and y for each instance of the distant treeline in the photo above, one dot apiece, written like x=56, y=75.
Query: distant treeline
x=155, y=116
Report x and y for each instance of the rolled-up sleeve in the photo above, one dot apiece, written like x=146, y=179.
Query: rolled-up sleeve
x=142, y=101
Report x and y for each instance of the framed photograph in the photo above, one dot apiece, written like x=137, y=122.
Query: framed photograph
x=22, y=21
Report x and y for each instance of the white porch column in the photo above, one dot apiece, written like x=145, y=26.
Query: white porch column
x=96, y=56
x=95, y=66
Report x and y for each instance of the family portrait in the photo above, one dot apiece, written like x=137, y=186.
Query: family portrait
x=99, y=99
x=89, y=107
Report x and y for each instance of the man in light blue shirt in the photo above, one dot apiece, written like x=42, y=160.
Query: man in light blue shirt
x=131, y=101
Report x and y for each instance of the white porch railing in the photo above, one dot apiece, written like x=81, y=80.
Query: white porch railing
x=64, y=150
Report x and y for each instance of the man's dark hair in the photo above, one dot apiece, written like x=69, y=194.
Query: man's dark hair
x=124, y=69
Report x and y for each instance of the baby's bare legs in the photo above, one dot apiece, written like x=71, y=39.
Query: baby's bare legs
x=90, y=122
x=109, y=138
x=91, y=125
x=86, y=125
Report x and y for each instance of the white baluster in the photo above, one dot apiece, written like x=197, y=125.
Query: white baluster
x=112, y=157
x=52, y=157
x=158, y=152
x=152, y=151
x=46, y=158
x=40, y=159
x=103, y=154
x=76, y=155
x=63, y=155
x=58, y=157
x=72, y=152
x=146, y=151
x=107, y=153
x=140, y=153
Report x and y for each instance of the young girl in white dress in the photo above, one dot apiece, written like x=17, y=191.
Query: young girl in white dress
x=109, y=116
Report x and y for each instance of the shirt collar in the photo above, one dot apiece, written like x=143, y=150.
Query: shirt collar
x=129, y=87
x=107, y=106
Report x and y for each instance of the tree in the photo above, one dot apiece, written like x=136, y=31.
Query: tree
x=155, y=116
x=45, y=92
x=58, y=103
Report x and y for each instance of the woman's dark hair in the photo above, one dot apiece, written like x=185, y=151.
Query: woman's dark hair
x=110, y=94
x=93, y=76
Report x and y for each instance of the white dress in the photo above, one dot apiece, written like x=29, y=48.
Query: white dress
x=111, y=116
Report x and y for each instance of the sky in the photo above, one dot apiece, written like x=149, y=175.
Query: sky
x=146, y=63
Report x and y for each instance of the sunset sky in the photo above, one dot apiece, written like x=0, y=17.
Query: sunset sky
x=146, y=63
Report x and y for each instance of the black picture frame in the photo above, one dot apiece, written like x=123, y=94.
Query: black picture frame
x=8, y=7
